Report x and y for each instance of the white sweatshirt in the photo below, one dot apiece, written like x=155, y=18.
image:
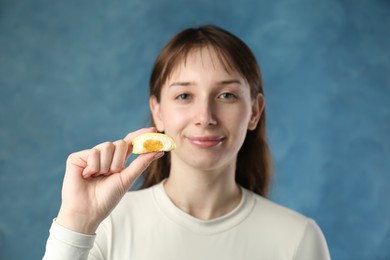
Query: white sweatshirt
x=147, y=225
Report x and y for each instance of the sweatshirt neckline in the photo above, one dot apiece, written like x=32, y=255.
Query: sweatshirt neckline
x=205, y=227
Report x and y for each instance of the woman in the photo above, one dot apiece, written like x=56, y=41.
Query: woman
x=204, y=200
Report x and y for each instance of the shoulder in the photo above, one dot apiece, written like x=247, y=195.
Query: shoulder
x=276, y=213
x=134, y=209
x=289, y=228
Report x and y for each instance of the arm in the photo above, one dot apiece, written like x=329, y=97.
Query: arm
x=66, y=244
x=313, y=244
x=95, y=181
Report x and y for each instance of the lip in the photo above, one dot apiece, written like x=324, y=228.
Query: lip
x=206, y=141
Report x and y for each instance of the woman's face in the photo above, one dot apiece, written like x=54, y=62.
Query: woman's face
x=207, y=110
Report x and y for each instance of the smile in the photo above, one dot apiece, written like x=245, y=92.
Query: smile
x=206, y=141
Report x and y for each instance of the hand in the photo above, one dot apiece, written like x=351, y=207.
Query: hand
x=95, y=181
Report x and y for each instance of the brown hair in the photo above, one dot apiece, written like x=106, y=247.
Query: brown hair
x=253, y=170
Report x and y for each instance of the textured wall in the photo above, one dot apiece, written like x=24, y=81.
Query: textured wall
x=75, y=73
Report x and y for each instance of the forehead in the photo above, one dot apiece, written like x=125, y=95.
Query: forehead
x=207, y=58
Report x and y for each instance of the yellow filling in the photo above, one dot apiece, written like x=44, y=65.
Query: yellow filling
x=153, y=145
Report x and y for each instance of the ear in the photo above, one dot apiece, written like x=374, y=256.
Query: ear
x=257, y=111
x=156, y=113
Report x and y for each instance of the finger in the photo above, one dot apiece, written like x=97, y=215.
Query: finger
x=107, y=150
x=93, y=163
x=119, y=157
x=134, y=134
x=139, y=165
x=78, y=159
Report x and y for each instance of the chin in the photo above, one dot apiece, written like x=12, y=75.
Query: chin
x=209, y=163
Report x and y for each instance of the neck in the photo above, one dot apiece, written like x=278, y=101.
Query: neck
x=204, y=194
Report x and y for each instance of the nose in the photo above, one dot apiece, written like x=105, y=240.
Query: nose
x=205, y=113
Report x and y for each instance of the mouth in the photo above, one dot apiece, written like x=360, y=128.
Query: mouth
x=206, y=141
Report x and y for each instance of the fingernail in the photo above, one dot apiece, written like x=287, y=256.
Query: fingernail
x=158, y=155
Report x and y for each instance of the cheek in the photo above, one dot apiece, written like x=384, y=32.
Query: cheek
x=238, y=121
x=238, y=115
x=173, y=118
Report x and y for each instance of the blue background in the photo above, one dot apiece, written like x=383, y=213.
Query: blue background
x=75, y=73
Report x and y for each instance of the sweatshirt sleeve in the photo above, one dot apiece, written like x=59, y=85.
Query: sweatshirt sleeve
x=313, y=244
x=64, y=244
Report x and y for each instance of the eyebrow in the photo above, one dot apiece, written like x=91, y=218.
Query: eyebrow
x=181, y=83
x=231, y=81
x=190, y=83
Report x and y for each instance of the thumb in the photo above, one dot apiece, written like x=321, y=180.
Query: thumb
x=137, y=167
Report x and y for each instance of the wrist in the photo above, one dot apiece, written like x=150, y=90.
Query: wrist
x=76, y=222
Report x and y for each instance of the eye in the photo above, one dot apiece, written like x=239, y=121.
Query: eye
x=227, y=96
x=183, y=96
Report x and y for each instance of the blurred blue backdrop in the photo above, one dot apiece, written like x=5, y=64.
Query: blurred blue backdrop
x=75, y=73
